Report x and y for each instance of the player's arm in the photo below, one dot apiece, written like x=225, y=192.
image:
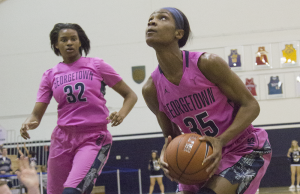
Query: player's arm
x=149, y=165
x=169, y=129
x=34, y=119
x=289, y=153
x=150, y=96
x=130, y=98
x=216, y=70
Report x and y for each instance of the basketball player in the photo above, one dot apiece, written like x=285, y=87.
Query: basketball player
x=198, y=92
x=156, y=173
x=80, y=143
x=294, y=154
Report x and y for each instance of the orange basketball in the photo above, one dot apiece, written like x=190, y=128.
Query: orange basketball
x=185, y=155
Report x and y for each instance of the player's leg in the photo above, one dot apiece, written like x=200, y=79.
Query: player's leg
x=240, y=178
x=89, y=160
x=71, y=191
x=219, y=185
x=293, y=173
x=59, y=163
x=161, y=185
x=298, y=176
x=152, y=183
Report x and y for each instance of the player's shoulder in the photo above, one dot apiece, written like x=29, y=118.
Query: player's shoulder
x=210, y=63
x=150, y=95
x=208, y=59
x=49, y=72
x=100, y=64
x=149, y=88
x=97, y=60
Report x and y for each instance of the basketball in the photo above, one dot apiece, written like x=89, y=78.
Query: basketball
x=185, y=155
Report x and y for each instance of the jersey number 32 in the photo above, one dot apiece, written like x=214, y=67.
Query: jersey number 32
x=71, y=98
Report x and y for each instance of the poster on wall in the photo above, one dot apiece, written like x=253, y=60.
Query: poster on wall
x=234, y=57
x=252, y=84
x=289, y=52
x=262, y=56
x=297, y=80
x=275, y=88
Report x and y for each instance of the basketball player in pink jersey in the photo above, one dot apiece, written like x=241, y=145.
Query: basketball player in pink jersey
x=80, y=143
x=198, y=93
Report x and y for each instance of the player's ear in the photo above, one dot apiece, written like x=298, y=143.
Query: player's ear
x=179, y=33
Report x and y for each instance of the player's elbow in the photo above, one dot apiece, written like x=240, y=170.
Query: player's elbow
x=256, y=108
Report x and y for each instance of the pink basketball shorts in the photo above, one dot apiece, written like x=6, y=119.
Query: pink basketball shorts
x=77, y=157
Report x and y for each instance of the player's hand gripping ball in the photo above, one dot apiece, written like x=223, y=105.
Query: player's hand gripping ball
x=185, y=155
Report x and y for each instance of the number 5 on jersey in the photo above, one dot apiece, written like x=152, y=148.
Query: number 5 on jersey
x=208, y=128
x=71, y=98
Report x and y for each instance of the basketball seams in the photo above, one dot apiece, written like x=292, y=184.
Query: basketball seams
x=204, y=158
x=177, y=154
x=174, y=171
x=166, y=153
x=195, y=172
x=190, y=159
x=183, y=165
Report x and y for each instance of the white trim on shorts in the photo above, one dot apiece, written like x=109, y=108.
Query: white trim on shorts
x=154, y=176
x=295, y=164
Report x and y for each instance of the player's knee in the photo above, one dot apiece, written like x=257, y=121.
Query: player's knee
x=71, y=191
x=206, y=190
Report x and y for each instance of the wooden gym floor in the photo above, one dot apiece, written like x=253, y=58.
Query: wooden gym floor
x=277, y=190
x=269, y=190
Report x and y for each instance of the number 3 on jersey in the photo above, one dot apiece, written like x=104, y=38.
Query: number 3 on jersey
x=208, y=128
x=71, y=98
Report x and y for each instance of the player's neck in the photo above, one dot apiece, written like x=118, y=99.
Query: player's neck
x=68, y=60
x=170, y=61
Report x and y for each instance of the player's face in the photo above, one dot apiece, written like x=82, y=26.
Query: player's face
x=161, y=29
x=68, y=43
x=153, y=155
x=294, y=143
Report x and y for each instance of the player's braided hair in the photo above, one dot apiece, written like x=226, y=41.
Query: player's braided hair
x=85, y=42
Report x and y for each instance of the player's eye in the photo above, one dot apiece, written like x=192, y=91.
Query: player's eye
x=150, y=19
x=163, y=18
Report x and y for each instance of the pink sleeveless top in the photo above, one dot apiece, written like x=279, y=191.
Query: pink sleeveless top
x=196, y=104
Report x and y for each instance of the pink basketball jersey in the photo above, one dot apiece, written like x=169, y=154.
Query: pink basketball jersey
x=79, y=89
x=196, y=104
